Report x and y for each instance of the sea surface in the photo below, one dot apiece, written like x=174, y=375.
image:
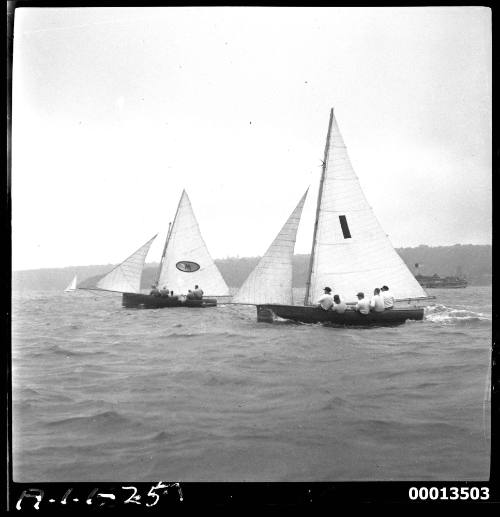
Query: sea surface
x=103, y=393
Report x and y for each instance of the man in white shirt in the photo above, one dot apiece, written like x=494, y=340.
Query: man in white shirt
x=326, y=301
x=363, y=305
x=377, y=302
x=198, y=293
x=338, y=306
x=387, y=297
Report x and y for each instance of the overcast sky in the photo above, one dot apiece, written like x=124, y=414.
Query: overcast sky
x=116, y=110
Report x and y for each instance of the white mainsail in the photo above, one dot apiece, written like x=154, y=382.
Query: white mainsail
x=185, y=244
x=72, y=285
x=351, y=251
x=271, y=280
x=126, y=277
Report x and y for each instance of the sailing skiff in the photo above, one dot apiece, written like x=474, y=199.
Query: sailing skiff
x=185, y=262
x=72, y=285
x=350, y=253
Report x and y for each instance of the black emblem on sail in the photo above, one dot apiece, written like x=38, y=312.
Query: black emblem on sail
x=187, y=267
x=344, y=226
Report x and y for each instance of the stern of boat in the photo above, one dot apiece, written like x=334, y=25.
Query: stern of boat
x=265, y=314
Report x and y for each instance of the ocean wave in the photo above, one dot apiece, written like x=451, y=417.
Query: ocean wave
x=204, y=334
x=28, y=395
x=59, y=350
x=162, y=436
x=98, y=419
x=336, y=403
x=220, y=380
x=452, y=316
x=391, y=428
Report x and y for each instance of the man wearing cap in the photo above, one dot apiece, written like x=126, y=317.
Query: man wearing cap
x=326, y=301
x=363, y=305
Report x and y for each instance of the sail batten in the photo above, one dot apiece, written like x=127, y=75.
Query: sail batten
x=126, y=277
x=351, y=252
x=271, y=280
x=186, y=244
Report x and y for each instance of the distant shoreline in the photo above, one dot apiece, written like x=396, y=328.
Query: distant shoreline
x=474, y=261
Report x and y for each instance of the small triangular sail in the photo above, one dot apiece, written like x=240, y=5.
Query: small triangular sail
x=271, y=280
x=126, y=277
x=72, y=285
x=187, y=261
x=351, y=252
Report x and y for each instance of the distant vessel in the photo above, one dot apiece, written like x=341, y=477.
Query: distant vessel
x=447, y=282
x=350, y=253
x=72, y=285
x=185, y=262
x=435, y=281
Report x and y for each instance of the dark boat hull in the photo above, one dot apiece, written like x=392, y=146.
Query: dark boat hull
x=148, y=301
x=304, y=314
x=437, y=285
x=437, y=282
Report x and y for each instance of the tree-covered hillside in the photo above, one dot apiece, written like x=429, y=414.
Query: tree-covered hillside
x=475, y=262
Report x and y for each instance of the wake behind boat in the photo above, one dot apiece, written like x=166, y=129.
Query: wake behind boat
x=350, y=252
x=185, y=263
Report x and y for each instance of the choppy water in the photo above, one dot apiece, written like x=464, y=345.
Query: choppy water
x=102, y=393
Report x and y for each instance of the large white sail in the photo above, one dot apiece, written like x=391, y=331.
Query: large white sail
x=351, y=252
x=271, y=280
x=187, y=261
x=126, y=277
x=72, y=285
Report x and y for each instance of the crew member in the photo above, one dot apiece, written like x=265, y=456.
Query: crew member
x=377, y=302
x=363, y=305
x=198, y=293
x=338, y=306
x=326, y=301
x=388, y=298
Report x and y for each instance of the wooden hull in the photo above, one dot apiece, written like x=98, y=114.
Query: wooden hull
x=267, y=313
x=148, y=301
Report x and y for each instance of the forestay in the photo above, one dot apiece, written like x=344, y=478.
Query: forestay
x=271, y=280
x=186, y=244
x=351, y=251
x=126, y=277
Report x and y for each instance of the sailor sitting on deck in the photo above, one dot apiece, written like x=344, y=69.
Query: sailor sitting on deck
x=326, y=301
x=388, y=298
x=198, y=293
x=154, y=290
x=164, y=291
x=338, y=306
x=377, y=302
x=190, y=295
x=363, y=305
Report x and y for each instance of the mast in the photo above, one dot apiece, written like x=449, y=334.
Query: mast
x=318, y=205
x=157, y=279
x=167, y=239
